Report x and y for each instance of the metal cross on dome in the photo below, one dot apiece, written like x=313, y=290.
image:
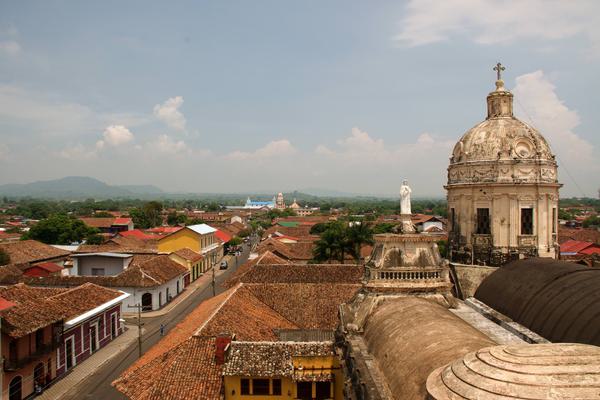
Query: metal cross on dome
x=499, y=68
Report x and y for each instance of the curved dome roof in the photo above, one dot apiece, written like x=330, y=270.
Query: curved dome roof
x=534, y=371
x=410, y=337
x=501, y=135
x=556, y=299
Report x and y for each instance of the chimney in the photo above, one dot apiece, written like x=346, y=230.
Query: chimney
x=222, y=343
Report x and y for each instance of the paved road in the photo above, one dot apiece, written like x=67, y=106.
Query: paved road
x=98, y=386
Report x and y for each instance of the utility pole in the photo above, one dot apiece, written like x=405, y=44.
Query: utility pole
x=139, y=324
x=213, y=280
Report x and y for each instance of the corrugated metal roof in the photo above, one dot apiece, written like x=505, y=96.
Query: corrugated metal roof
x=202, y=229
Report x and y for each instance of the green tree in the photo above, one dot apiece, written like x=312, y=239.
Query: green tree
x=244, y=233
x=384, y=227
x=148, y=216
x=174, y=219
x=94, y=238
x=333, y=244
x=103, y=214
x=443, y=248
x=319, y=228
x=592, y=221
x=358, y=235
x=59, y=229
x=4, y=258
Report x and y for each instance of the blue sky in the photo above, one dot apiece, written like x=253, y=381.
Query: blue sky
x=279, y=95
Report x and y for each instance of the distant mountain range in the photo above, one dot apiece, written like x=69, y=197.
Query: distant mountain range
x=83, y=187
x=77, y=187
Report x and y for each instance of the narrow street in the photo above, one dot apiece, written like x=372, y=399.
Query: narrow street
x=98, y=385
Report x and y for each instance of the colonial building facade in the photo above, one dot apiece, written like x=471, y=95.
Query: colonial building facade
x=502, y=189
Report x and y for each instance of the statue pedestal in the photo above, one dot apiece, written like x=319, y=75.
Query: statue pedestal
x=406, y=224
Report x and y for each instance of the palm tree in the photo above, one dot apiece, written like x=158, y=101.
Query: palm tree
x=359, y=234
x=333, y=244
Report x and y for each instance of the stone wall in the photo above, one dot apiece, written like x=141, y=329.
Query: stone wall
x=467, y=278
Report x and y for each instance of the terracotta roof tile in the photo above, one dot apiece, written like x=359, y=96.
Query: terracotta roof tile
x=188, y=254
x=31, y=251
x=247, y=317
x=99, y=222
x=271, y=359
x=188, y=371
x=306, y=305
x=264, y=258
x=39, y=307
x=143, y=271
x=305, y=273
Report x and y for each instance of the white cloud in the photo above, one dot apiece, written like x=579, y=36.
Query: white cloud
x=169, y=113
x=77, y=152
x=9, y=47
x=115, y=135
x=360, y=147
x=546, y=112
x=370, y=165
x=499, y=21
x=166, y=144
x=275, y=148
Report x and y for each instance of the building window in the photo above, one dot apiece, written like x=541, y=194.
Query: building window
x=260, y=386
x=483, y=221
x=39, y=339
x=304, y=390
x=245, y=386
x=554, y=220
x=277, y=387
x=323, y=390
x=452, y=220
x=97, y=271
x=526, y=221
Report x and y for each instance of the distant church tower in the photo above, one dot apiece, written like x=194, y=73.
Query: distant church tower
x=279, y=202
x=502, y=189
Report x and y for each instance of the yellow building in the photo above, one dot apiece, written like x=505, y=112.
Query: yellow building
x=200, y=238
x=189, y=259
x=282, y=370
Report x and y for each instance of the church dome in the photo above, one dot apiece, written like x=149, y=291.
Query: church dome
x=501, y=137
x=502, y=140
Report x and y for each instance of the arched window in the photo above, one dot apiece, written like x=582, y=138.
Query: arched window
x=15, y=388
x=147, y=302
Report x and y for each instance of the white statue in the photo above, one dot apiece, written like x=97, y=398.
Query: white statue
x=405, y=192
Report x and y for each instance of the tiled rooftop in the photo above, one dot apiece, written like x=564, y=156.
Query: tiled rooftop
x=264, y=258
x=143, y=271
x=187, y=371
x=270, y=359
x=39, y=307
x=29, y=251
x=188, y=254
x=304, y=273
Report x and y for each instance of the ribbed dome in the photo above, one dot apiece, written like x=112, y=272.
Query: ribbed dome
x=502, y=149
x=501, y=138
x=501, y=135
x=535, y=371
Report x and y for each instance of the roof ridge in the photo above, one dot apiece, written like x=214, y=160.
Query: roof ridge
x=217, y=309
x=271, y=308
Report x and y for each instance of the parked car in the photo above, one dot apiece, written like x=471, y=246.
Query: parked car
x=223, y=265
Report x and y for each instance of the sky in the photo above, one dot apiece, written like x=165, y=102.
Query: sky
x=268, y=96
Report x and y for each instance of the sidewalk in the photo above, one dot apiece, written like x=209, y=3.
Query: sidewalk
x=90, y=365
x=200, y=283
